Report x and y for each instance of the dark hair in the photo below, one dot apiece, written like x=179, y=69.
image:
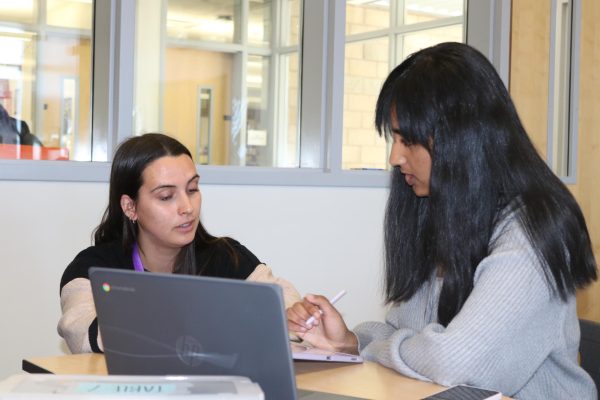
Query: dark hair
x=130, y=160
x=8, y=132
x=449, y=99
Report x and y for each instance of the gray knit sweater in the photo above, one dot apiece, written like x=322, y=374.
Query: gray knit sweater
x=511, y=334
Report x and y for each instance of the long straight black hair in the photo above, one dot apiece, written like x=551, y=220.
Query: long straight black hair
x=449, y=99
x=130, y=160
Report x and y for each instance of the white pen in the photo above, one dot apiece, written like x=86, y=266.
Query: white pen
x=332, y=301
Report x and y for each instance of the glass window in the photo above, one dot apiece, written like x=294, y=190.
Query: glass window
x=259, y=22
x=416, y=11
x=64, y=95
x=367, y=15
x=290, y=22
x=415, y=41
x=45, y=80
x=212, y=21
x=366, y=66
x=188, y=71
x=375, y=43
x=69, y=13
x=249, y=77
x=237, y=81
x=23, y=11
x=17, y=64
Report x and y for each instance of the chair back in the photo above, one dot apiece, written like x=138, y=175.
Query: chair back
x=589, y=349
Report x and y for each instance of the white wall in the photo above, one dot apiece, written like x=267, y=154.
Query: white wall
x=321, y=239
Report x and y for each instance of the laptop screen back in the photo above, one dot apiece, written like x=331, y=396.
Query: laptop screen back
x=164, y=324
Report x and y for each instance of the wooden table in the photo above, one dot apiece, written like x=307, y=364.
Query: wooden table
x=368, y=380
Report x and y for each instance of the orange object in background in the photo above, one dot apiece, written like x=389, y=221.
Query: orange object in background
x=27, y=152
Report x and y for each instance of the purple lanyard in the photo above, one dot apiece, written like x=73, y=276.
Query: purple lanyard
x=137, y=261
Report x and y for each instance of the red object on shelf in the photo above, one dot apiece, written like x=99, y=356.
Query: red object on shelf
x=26, y=152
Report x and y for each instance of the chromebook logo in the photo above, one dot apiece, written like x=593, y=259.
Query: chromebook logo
x=106, y=287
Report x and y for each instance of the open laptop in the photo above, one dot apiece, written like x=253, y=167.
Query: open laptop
x=165, y=324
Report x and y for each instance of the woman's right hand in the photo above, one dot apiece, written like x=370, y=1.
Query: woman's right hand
x=328, y=331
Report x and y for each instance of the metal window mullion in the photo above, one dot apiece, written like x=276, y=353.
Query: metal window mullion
x=277, y=112
x=102, y=78
x=488, y=30
x=314, y=83
x=552, y=87
x=395, y=40
x=124, y=71
x=571, y=178
x=205, y=45
x=237, y=139
x=397, y=13
x=501, y=42
x=112, y=94
x=273, y=63
x=335, y=86
x=275, y=90
x=42, y=14
x=243, y=37
x=572, y=107
x=298, y=152
x=404, y=29
x=465, y=13
x=425, y=26
x=267, y=59
x=164, y=10
x=39, y=76
x=285, y=49
x=67, y=32
x=277, y=93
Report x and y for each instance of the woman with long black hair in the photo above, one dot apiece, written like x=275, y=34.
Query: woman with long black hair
x=485, y=246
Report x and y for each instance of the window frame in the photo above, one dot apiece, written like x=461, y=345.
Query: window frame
x=571, y=90
x=321, y=93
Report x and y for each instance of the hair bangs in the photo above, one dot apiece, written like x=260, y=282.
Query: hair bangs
x=415, y=121
x=400, y=106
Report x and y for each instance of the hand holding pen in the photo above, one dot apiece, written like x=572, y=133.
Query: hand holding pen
x=338, y=296
x=325, y=331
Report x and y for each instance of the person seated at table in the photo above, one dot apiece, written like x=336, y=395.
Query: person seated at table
x=26, y=137
x=152, y=223
x=484, y=246
x=15, y=131
x=8, y=134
